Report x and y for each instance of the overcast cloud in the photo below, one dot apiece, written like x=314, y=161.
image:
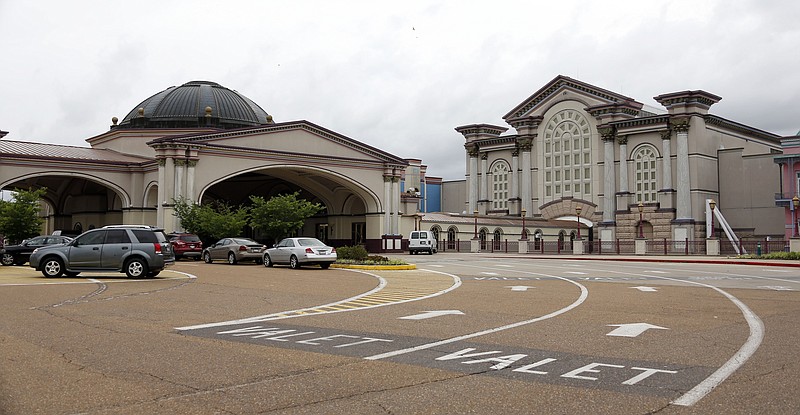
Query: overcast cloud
x=399, y=76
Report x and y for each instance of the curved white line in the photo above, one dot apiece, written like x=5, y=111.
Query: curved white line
x=576, y=303
x=271, y=316
x=281, y=315
x=736, y=361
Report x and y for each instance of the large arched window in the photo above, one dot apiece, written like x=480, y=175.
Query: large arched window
x=645, y=168
x=500, y=186
x=567, y=156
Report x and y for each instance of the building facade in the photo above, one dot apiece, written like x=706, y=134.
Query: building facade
x=584, y=154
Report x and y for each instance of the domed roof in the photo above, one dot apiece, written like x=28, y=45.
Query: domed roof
x=196, y=104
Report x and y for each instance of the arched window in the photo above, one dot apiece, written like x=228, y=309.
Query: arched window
x=561, y=237
x=537, y=239
x=482, y=236
x=645, y=167
x=451, y=237
x=567, y=156
x=436, y=230
x=500, y=186
x=498, y=237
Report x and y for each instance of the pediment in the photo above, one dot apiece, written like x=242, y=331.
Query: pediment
x=299, y=138
x=563, y=88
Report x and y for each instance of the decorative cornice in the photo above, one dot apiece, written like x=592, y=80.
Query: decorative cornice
x=741, y=128
x=558, y=83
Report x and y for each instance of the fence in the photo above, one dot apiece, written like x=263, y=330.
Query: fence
x=619, y=247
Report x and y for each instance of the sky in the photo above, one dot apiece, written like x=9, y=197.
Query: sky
x=399, y=76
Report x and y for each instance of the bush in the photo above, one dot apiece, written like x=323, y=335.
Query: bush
x=356, y=253
x=774, y=255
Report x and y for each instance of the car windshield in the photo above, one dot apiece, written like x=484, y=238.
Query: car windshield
x=310, y=242
x=245, y=241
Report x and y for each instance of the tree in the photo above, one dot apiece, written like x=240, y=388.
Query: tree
x=19, y=218
x=211, y=221
x=281, y=215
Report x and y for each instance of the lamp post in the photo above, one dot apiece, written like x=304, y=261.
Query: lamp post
x=713, y=205
x=578, y=211
x=641, y=228
x=524, y=234
x=475, y=213
x=796, y=204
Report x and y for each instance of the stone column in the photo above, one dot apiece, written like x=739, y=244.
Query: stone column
x=609, y=183
x=473, y=179
x=387, y=204
x=161, y=192
x=180, y=170
x=396, y=205
x=525, y=183
x=484, y=199
x=666, y=161
x=191, y=165
x=623, y=164
x=683, y=199
x=514, y=174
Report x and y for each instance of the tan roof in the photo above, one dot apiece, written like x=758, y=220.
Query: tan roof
x=9, y=148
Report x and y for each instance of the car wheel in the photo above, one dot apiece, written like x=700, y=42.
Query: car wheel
x=231, y=258
x=207, y=257
x=71, y=273
x=52, y=267
x=294, y=263
x=153, y=274
x=430, y=252
x=325, y=265
x=267, y=261
x=136, y=268
x=7, y=259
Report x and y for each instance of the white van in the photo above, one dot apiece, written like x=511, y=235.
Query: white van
x=421, y=241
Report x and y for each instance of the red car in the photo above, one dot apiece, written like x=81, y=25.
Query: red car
x=186, y=245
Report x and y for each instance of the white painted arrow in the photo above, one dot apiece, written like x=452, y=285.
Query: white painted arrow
x=646, y=289
x=429, y=314
x=519, y=287
x=632, y=329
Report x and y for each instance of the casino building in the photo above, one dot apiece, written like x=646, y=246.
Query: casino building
x=578, y=154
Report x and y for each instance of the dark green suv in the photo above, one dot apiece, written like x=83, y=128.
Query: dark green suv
x=138, y=251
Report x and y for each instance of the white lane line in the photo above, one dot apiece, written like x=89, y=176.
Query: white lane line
x=735, y=362
x=744, y=353
x=295, y=313
x=576, y=303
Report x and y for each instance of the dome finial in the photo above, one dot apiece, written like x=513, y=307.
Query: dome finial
x=114, y=120
x=208, y=111
x=141, y=112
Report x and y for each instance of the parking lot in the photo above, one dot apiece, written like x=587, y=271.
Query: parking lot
x=463, y=333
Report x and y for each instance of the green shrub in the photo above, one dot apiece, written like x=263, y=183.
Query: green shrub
x=774, y=255
x=356, y=253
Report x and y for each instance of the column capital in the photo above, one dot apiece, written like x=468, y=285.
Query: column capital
x=622, y=140
x=680, y=125
x=515, y=152
x=472, y=149
x=607, y=133
x=666, y=134
x=525, y=143
x=484, y=156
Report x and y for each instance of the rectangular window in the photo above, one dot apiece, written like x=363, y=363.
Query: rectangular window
x=566, y=175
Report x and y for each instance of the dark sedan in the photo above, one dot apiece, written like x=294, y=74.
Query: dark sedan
x=20, y=254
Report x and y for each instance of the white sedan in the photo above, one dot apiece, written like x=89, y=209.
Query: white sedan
x=300, y=251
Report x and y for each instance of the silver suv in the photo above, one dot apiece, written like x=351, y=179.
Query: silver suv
x=138, y=251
